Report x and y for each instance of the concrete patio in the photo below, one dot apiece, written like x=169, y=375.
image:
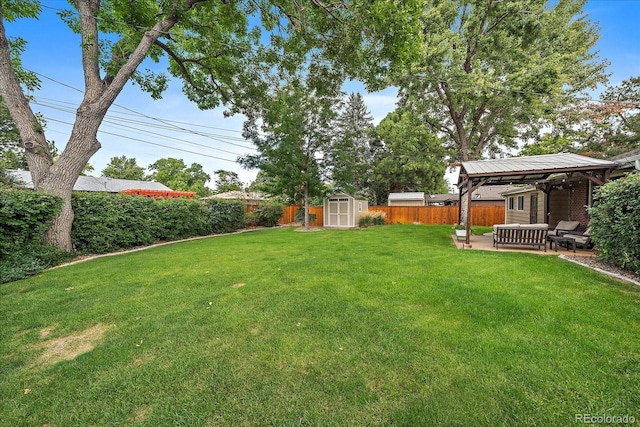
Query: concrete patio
x=485, y=243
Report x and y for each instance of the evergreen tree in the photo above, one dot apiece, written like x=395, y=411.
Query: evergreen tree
x=350, y=156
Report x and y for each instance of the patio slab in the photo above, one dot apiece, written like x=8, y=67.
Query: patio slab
x=485, y=243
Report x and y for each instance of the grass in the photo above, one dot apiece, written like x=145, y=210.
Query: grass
x=381, y=326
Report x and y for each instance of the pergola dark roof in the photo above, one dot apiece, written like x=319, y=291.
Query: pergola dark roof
x=530, y=169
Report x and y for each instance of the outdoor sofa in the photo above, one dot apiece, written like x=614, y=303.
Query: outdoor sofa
x=521, y=234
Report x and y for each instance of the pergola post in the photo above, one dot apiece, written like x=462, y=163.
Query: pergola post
x=468, y=219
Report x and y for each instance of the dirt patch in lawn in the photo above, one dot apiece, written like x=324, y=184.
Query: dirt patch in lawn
x=71, y=346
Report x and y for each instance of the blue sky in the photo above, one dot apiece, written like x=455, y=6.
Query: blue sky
x=137, y=124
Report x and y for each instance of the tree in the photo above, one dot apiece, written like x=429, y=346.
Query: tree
x=227, y=181
x=411, y=158
x=604, y=128
x=176, y=175
x=123, y=168
x=350, y=156
x=9, y=141
x=11, y=152
x=295, y=130
x=224, y=51
x=493, y=72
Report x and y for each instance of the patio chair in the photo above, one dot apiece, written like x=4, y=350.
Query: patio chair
x=564, y=227
x=580, y=240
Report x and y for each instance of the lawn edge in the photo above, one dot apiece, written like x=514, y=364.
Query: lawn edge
x=155, y=245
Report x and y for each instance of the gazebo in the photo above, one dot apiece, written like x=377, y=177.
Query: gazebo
x=532, y=170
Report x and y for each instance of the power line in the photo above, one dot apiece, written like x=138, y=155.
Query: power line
x=169, y=123
x=151, y=143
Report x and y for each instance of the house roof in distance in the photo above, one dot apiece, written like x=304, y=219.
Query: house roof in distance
x=627, y=160
x=238, y=195
x=98, y=183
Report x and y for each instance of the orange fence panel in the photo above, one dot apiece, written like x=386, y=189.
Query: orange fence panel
x=290, y=211
x=480, y=215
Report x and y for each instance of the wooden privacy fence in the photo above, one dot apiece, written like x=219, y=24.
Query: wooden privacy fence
x=480, y=215
x=290, y=213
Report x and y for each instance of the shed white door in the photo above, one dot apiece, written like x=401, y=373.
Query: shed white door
x=339, y=212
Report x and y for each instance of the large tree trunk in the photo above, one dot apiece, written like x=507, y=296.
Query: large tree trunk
x=306, y=205
x=59, y=178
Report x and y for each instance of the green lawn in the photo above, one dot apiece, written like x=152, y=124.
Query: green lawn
x=383, y=326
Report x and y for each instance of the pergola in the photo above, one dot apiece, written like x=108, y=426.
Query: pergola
x=532, y=170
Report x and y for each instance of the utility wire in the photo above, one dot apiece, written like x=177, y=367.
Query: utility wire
x=151, y=143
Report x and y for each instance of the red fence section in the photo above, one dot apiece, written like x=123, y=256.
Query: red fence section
x=159, y=194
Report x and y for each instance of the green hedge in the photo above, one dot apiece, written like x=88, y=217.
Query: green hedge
x=107, y=222
x=25, y=216
x=615, y=222
x=267, y=214
x=226, y=215
x=181, y=218
x=102, y=223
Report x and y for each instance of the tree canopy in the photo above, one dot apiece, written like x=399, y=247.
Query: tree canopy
x=123, y=168
x=225, y=53
x=410, y=157
x=603, y=128
x=493, y=72
x=350, y=155
x=295, y=130
x=227, y=181
x=176, y=175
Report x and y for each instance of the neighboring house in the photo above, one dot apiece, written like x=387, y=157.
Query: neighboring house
x=251, y=198
x=443, y=199
x=486, y=195
x=406, y=199
x=101, y=183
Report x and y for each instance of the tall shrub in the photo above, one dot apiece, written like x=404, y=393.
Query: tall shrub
x=226, y=216
x=24, y=218
x=615, y=222
x=106, y=222
x=181, y=218
x=268, y=213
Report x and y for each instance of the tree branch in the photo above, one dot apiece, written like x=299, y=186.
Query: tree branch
x=185, y=72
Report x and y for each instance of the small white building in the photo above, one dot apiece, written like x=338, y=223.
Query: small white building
x=406, y=199
x=343, y=210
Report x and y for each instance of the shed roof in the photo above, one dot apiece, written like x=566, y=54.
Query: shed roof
x=98, y=183
x=406, y=196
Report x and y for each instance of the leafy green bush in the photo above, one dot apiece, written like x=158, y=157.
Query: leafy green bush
x=372, y=218
x=181, y=218
x=225, y=216
x=299, y=217
x=269, y=213
x=108, y=222
x=25, y=216
x=615, y=222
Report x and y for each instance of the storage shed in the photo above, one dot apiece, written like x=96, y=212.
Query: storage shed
x=343, y=210
x=407, y=199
